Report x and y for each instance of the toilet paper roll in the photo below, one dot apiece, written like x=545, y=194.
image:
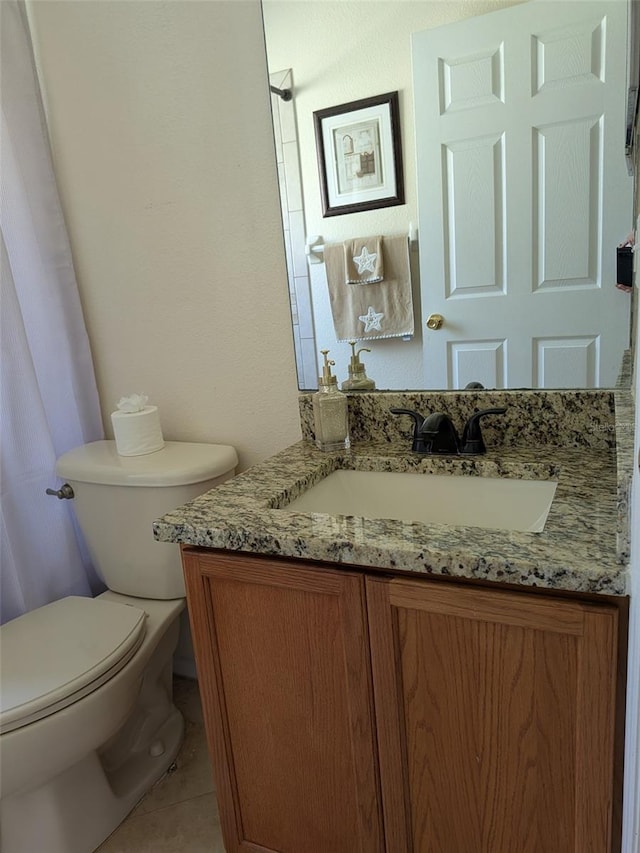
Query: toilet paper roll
x=137, y=433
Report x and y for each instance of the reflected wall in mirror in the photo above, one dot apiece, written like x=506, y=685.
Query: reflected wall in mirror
x=514, y=220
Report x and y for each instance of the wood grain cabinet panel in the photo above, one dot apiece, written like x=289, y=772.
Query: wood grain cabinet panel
x=285, y=681
x=496, y=716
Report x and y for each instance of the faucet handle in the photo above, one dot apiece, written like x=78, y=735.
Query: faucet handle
x=472, y=441
x=418, y=421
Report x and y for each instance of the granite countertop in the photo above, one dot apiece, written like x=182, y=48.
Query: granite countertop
x=583, y=547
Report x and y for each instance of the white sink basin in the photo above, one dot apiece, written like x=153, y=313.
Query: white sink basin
x=489, y=502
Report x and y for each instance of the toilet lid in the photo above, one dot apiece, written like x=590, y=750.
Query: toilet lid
x=54, y=655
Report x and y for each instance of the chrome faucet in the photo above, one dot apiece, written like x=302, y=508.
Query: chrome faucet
x=437, y=433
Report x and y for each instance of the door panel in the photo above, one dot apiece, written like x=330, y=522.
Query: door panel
x=559, y=359
x=474, y=223
x=477, y=361
x=567, y=172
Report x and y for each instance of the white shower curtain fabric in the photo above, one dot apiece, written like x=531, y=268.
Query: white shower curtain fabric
x=48, y=401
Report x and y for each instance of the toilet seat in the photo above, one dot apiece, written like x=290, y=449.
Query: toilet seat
x=53, y=656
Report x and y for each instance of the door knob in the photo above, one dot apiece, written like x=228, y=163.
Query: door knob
x=435, y=321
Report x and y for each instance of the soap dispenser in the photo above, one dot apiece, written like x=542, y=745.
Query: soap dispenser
x=330, y=412
x=358, y=379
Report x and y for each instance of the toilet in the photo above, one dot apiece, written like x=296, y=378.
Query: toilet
x=87, y=720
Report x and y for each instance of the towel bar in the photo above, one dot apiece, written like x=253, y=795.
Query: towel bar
x=314, y=247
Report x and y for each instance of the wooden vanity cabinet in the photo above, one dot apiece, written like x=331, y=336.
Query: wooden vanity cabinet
x=285, y=681
x=495, y=714
x=354, y=712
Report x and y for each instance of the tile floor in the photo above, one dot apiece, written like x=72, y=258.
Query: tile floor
x=179, y=814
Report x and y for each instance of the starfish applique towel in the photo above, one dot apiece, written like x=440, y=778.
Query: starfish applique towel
x=371, y=320
x=383, y=309
x=363, y=260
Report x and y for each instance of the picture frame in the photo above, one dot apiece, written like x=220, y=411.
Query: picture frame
x=360, y=155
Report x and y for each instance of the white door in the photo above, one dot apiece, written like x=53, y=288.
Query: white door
x=523, y=195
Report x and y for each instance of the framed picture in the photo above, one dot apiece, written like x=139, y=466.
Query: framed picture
x=360, y=155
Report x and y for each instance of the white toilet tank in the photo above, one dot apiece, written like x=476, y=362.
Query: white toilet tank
x=117, y=499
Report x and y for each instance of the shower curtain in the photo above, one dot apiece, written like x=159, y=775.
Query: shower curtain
x=48, y=397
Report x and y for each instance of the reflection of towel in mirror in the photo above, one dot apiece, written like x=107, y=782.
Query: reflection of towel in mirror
x=363, y=260
x=380, y=310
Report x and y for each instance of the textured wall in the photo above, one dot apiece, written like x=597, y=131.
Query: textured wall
x=160, y=125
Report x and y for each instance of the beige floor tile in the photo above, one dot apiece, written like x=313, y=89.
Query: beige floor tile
x=188, y=827
x=180, y=813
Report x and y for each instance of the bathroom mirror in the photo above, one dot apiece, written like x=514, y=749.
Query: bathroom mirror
x=332, y=52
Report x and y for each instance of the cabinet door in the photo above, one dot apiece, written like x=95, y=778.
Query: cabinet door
x=495, y=715
x=285, y=679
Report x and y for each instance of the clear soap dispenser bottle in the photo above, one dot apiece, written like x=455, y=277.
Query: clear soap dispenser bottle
x=358, y=379
x=330, y=413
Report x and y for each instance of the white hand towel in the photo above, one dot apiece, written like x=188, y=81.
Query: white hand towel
x=380, y=310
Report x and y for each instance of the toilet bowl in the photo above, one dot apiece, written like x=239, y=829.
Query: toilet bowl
x=87, y=721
